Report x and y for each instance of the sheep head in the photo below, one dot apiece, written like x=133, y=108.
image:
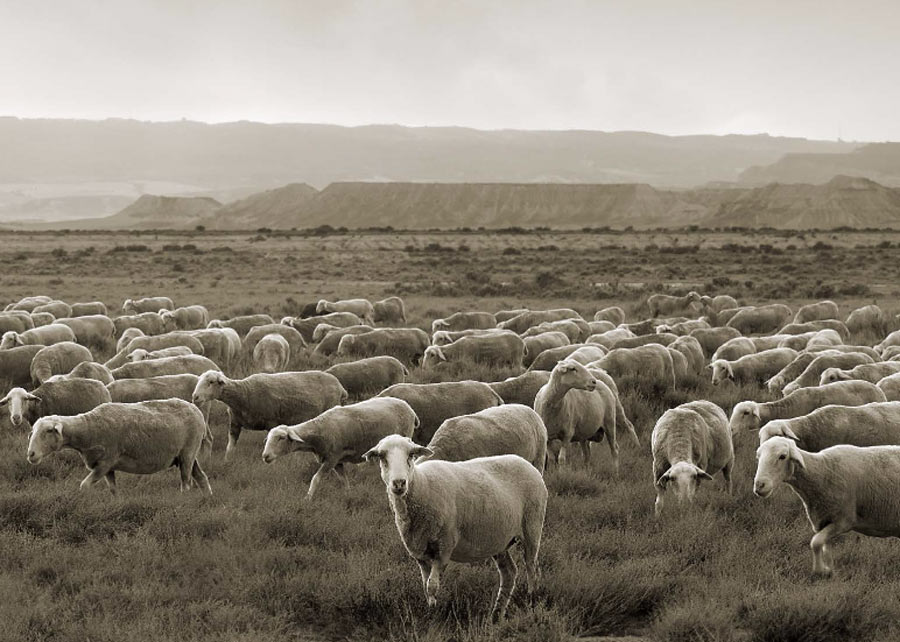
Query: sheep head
x=323, y=306
x=46, y=438
x=571, y=374
x=433, y=355
x=776, y=428
x=11, y=339
x=777, y=459
x=721, y=371
x=281, y=440
x=441, y=338
x=138, y=355
x=745, y=416
x=18, y=401
x=397, y=456
x=209, y=387
x=682, y=480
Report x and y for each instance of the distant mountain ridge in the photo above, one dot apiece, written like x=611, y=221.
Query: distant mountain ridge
x=150, y=212
x=879, y=162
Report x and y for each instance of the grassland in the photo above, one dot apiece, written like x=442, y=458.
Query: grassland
x=257, y=562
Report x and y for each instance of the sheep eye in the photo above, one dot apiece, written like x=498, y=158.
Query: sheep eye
x=782, y=456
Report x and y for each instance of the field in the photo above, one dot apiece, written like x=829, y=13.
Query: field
x=256, y=561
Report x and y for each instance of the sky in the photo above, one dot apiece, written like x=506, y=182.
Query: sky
x=816, y=69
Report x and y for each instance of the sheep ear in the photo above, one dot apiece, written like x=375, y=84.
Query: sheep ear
x=790, y=434
x=440, y=354
x=796, y=457
x=373, y=455
x=4, y=401
x=57, y=428
x=702, y=474
x=663, y=480
x=421, y=451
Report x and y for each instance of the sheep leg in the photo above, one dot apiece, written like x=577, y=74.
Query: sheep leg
x=658, y=506
x=553, y=447
x=324, y=469
x=234, y=433
x=531, y=544
x=184, y=470
x=111, y=481
x=822, y=563
x=561, y=453
x=613, y=449
x=433, y=585
x=586, y=451
x=92, y=478
x=200, y=477
x=506, y=565
x=726, y=475
x=342, y=475
x=425, y=570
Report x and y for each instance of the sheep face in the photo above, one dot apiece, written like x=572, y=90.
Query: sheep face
x=397, y=455
x=830, y=375
x=321, y=331
x=168, y=320
x=745, y=416
x=441, y=338
x=215, y=323
x=777, y=428
x=777, y=459
x=138, y=355
x=682, y=481
x=322, y=307
x=571, y=374
x=721, y=371
x=433, y=356
x=439, y=324
x=11, y=339
x=128, y=307
x=18, y=402
x=46, y=438
x=346, y=344
x=209, y=387
x=278, y=443
x=775, y=384
x=288, y=321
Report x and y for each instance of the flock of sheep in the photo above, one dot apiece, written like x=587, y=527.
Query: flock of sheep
x=463, y=461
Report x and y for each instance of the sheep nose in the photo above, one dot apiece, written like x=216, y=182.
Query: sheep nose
x=16, y=419
x=398, y=486
x=759, y=488
x=31, y=457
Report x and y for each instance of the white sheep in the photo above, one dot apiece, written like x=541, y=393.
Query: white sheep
x=523, y=388
x=692, y=351
x=147, y=304
x=599, y=327
x=669, y=305
x=369, y=376
x=222, y=345
x=843, y=488
x=651, y=362
x=17, y=321
x=190, y=317
x=465, y=511
x=306, y=326
x=608, y=339
x=444, y=337
x=342, y=435
x=871, y=424
x=815, y=326
x=408, y=345
x=711, y=339
x=716, y=304
x=792, y=370
x=690, y=443
x=89, y=308
x=88, y=370
x=614, y=315
x=362, y=308
x=141, y=439
x=271, y=354
x=189, y=364
x=893, y=339
x=59, y=309
x=59, y=358
x=890, y=386
x=15, y=364
x=505, y=348
x=91, y=330
x=573, y=330
x=242, y=324
x=538, y=343
x=871, y=372
x=293, y=337
x=506, y=315
x=29, y=303
x=391, y=310
x=734, y=349
x=762, y=319
x=811, y=374
x=42, y=318
x=150, y=323
x=44, y=335
x=465, y=321
x=583, y=353
x=127, y=335
x=752, y=368
x=332, y=340
x=521, y=322
x=143, y=355
x=868, y=317
x=816, y=311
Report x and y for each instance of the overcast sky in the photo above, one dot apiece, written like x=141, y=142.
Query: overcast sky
x=786, y=67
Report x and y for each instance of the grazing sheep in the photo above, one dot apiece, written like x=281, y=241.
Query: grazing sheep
x=127, y=335
x=221, y=345
x=718, y=303
x=89, y=309
x=523, y=388
x=175, y=351
x=292, y=336
x=29, y=303
x=147, y=304
x=890, y=386
x=307, y=326
x=664, y=304
x=893, y=339
x=599, y=327
x=88, y=370
x=663, y=339
x=536, y=344
x=651, y=362
x=812, y=372
x=65, y=397
x=191, y=364
x=242, y=324
x=142, y=439
x=150, y=323
x=873, y=424
x=684, y=327
x=607, y=339
x=263, y=401
x=409, y=345
x=647, y=326
x=362, y=308
x=581, y=352
x=576, y=332
x=60, y=358
x=817, y=339
x=846, y=349
x=154, y=344
x=520, y=323
x=868, y=317
x=59, y=309
x=330, y=343
x=465, y=321
x=271, y=354
x=890, y=353
x=690, y=443
x=734, y=349
x=506, y=315
x=42, y=318
x=750, y=415
x=501, y=349
x=191, y=317
x=15, y=364
x=91, y=330
x=465, y=511
x=369, y=376
x=342, y=435
x=445, y=337
x=391, y=311
x=680, y=364
x=692, y=351
x=178, y=386
x=434, y=403
x=871, y=372
x=15, y=322
x=510, y=429
x=722, y=317
x=816, y=311
x=46, y=335
x=820, y=324
x=614, y=315
x=753, y=368
x=760, y=320
x=843, y=488
x=791, y=371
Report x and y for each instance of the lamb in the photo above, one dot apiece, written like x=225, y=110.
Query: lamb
x=575, y=332
x=342, y=435
x=523, y=388
x=816, y=311
x=15, y=364
x=60, y=358
x=734, y=349
x=445, y=337
x=293, y=337
x=147, y=304
x=307, y=326
x=89, y=309
x=750, y=415
x=650, y=361
x=16, y=322
x=753, y=368
x=263, y=401
x=409, y=345
x=369, y=376
x=433, y=403
x=141, y=438
x=330, y=343
x=664, y=304
x=362, y=308
x=872, y=424
x=692, y=351
x=867, y=318
x=510, y=429
x=29, y=303
x=760, y=320
x=271, y=354
x=91, y=330
x=465, y=321
x=843, y=488
x=502, y=349
x=58, y=309
x=127, y=335
x=690, y=443
x=465, y=511
x=614, y=314
x=149, y=323
x=191, y=317
x=583, y=353
x=713, y=338
x=175, y=351
x=391, y=311
x=871, y=372
x=536, y=344
x=242, y=324
x=810, y=376
x=88, y=370
x=192, y=364
x=522, y=322
x=45, y=335
x=64, y=397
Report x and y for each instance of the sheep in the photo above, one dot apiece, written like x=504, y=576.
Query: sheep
x=868, y=317
x=60, y=358
x=88, y=370
x=667, y=304
x=662, y=339
x=523, y=388
x=65, y=397
x=893, y=339
x=465, y=321
x=154, y=344
x=506, y=315
x=812, y=326
x=692, y=351
x=369, y=376
x=143, y=355
x=753, y=368
x=191, y=317
x=614, y=314
x=341, y=435
x=149, y=323
x=647, y=326
x=29, y=303
x=307, y=310
x=191, y=364
x=10, y=321
x=89, y=309
x=873, y=424
x=812, y=372
x=690, y=443
x=465, y=511
x=127, y=335
x=684, y=327
x=734, y=349
x=322, y=331
x=815, y=339
x=15, y=364
x=409, y=345
x=294, y=339
x=242, y=324
x=445, y=337
x=263, y=401
x=42, y=318
x=329, y=345
x=271, y=354
x=791, y=371
x=141, y=438
x=576, y=332
x=435, y=402
x=91, y=330
x=722, y=317
x=599, y=327
x=816, y=311
x=45, y=335
x=221, y=345
x=510, y=429
x=581, y=352
x=871, y=372
x=890, y=386
x=762, y=319
x=843, y=488
x=607, y=339
x=680, y=365
x=307, y=326
x=717, y=303
x=750, y=415
x=147, y=304
x=362, y=308
x=536, y=344
x=846, y=349
x=178, y=386
x=59, y=309
x=520, y=323
x=502, y=349
x=391, y=311
x=653, y=362
x=890, y=353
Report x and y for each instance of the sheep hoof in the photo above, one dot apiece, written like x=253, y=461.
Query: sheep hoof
x=432, y=601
